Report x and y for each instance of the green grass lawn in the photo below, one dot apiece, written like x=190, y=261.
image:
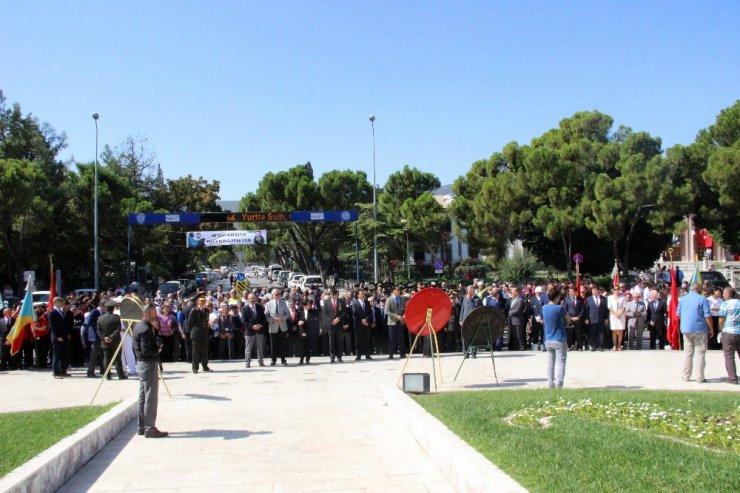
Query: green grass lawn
x=23, y=435
x=596, y=452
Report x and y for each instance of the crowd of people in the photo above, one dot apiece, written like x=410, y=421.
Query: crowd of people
x=277, y=325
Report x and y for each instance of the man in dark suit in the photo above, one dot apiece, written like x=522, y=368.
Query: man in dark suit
x=576, y=310
x=395, y=307
x=294, y=345
x=518, y=315
x=58, y=330
x=469, y=302
x=334, y=319
x=597, y=318
x=6, y=324
x=255, y=327
x=309, y=320
x=109, y=331
x=362, y=318
x=656, y=316
x=378, y=332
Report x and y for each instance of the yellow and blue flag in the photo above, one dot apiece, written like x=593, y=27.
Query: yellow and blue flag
x=22, y=324
x=697, y=275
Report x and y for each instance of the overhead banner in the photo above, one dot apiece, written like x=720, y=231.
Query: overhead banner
x=143, y=218
x=195, y=239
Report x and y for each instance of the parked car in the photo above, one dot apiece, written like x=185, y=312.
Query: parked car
x=272, y=269
x=291, y=278
x=283, y=278
x=83, y=292
x=187, y=285
x=169, y=287
x=308, y=281
x=716, y=278
x=201, y=280
x=295, y=280
x=40, y=298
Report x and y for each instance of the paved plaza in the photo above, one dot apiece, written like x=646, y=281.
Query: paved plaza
x=323, y=427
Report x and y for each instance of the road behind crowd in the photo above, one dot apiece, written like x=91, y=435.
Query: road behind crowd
x=322, y=427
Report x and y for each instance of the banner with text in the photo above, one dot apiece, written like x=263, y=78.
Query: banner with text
x=195, y=239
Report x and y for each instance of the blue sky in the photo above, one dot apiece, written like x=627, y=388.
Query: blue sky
x=229, y=90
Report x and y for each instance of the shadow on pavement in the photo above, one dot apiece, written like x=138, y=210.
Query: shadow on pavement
x=207, y=397
x=225, y=434
x=525, y=380
x=494, y=386
x=617, y=387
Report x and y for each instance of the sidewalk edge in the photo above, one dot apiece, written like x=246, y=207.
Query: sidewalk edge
x=466, y=468
x=49, y=470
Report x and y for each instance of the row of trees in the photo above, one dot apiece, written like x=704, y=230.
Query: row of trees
x=404, y=205
x=46, y=207
x=583, y=186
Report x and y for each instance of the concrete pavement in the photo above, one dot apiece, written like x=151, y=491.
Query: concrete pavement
x=322, y=427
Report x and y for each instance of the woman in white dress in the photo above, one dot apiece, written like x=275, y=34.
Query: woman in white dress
x=617, y=306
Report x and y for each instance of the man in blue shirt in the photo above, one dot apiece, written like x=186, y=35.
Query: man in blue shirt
x=696, y=322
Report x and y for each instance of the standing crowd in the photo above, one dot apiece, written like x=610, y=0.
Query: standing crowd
x=272, y=326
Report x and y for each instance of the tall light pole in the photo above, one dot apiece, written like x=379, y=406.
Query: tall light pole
x=95, y=209
x=408, y=264
x=375, y=209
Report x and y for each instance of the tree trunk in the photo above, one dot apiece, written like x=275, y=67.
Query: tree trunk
x=15, y=270
x=566, y=251
x=628, y=240
x=615, y=245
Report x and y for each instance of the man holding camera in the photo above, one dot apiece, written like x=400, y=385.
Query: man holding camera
x=147, y=347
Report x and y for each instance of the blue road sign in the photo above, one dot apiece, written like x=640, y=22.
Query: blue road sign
x=240, y=276
x=324, y=216
x=141, y=218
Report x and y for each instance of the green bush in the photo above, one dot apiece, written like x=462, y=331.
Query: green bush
x=520, y=266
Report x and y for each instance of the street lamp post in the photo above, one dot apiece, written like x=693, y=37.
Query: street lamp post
x=375, y=209
x=95, y=210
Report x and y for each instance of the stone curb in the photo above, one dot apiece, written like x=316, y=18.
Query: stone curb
x=463, y=466
x=49, y=470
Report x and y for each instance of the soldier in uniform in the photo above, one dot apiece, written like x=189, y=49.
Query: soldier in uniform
x=199, y=334
x=109, y=331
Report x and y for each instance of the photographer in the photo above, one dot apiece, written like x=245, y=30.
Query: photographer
x=147, y=347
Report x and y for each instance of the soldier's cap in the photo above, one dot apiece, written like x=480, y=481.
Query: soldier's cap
x=110, y=304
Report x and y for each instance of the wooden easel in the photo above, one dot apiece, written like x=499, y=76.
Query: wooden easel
x=130, y=332
x=435, y=348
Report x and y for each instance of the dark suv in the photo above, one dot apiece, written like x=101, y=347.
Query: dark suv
x=716, y=278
